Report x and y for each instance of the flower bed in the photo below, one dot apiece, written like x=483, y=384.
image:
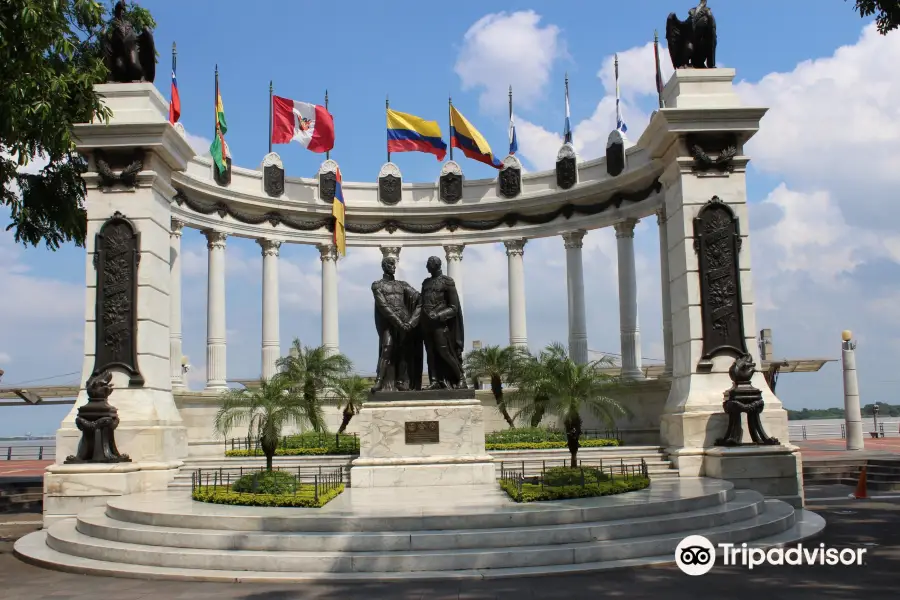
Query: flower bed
x=601, y=443
x=267, y=488
x=561, y=483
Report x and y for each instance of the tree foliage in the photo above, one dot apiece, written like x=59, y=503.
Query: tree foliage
x=887, y=13
x=311, y=372
x=499, y=365
x=51, y=59
x=553, y=382
x=349, y=395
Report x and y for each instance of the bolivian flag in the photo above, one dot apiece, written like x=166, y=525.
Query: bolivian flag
x=219, y=149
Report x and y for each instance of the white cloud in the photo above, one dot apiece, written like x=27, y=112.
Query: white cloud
x=5, y=358
x=199, y=143
x=637, y=71
x=503, y=49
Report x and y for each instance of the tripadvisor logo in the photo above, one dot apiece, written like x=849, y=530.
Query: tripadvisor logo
x=696, y=555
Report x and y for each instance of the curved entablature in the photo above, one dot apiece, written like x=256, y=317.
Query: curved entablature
x=540, y=204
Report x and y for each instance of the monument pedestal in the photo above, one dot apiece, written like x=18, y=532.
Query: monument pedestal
x=773, y=471
x=422, y=442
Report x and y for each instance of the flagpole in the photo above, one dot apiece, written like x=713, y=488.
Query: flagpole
x=658, y=71
x=174, y=55
x=216, y=101
x=616, y=66
x=510, y=103
x=387, y=107
x=450, y=123
x=327, y=152
x=271, y=100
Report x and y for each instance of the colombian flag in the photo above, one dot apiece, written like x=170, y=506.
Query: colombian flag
x=409, y=133
x=468, y=139
x=337, y=211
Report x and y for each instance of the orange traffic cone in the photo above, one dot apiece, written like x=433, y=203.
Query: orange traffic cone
x=860, y=493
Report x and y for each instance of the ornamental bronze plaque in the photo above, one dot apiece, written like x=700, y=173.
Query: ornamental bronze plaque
x=423, y=432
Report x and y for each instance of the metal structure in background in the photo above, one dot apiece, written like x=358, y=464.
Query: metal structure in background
x=535, y=472
x=317, y=480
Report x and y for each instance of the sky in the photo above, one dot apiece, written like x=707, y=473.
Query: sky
x=821, y=183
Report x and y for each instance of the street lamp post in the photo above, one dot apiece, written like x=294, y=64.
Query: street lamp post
x=852, y=414
x=875, y=419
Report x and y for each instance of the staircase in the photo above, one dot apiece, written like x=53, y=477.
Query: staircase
x=658, y=466
x=882, y=474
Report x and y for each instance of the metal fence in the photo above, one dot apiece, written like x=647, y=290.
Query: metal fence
x=587, y=473
x=343, y=441
x=317, y=480
x=28, y=452
x=825, y=431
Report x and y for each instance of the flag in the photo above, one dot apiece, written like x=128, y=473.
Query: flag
x=219, y=149
x=468, y=139
x=409, y=133
x=513, y=141
x=659, y=79
x=567, y=133
x=337, y=211
x=175, y=102
x=310, y=124
x=620, y=122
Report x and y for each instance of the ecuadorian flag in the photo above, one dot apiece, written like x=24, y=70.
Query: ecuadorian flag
x=337, y=211
x=409, y=133
x=470, y=141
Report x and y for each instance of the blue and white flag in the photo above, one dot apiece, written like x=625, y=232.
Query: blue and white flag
x=513, y=141
x=567, y=133
x=620, y=122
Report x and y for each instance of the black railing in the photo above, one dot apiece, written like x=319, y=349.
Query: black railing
x=27, y=452
x=295, y=481
x=824, y=431
x=535, y=472
x=601, y=434
x=331, y=441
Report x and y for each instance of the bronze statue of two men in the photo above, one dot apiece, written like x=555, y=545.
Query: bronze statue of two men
x=408, y=321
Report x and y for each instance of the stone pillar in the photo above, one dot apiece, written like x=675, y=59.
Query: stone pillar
x=175, y=345
x=705, y=102
x=578, y=346
x=391, y=252
x=454, y=255
x=666, y=298
x=329, y=255
x=151, y=431
x=215, y=312
x=271, y=346
x=515, y=251
x=628, y=301
x=852, y=413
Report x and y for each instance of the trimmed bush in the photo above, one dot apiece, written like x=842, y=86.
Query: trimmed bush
x=266, y=482
x=600, y=443
x=563, y=476
x=289, y=452
x=535, y=493
x=311, y=439
x=303, y=497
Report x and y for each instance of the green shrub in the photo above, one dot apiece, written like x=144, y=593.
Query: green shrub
x=303, y=497
x=526, y=435
x=563, y=476
x=289, y=452
x=535, y=493
x=599, y=443
x=266, y=482
x=311, y=439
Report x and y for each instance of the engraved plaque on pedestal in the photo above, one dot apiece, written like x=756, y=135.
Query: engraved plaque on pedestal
x=422, y=432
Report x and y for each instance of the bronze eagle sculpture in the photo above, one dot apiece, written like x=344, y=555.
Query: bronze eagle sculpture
x=130, y=57
x=692, y=42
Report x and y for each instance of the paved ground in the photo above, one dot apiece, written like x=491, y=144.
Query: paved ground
x=873, y=524
x=837, y=448
x=23, y=468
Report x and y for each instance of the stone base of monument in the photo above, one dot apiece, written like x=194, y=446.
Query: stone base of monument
x=409, y=439
x=773, y=471
x=71, y=488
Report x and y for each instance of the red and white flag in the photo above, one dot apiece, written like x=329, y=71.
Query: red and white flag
x=309, y=124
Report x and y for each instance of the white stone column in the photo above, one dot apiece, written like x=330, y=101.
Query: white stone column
x=215, y=311
x=329, y=255
x=852, y=413
x=391, y=252
x=454, y=255
x=175, y=342
x=271, y=346
x=666, y=292
x=578, y=346
x=628, y=307
x=515, y=251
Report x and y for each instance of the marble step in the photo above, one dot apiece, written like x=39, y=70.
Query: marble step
x=95, y=523
x=64, y=537
x=487, y=508
x=33, y=549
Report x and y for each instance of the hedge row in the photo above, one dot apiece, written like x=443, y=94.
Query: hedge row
x=599, y=443
x=305, y=497
x=535, y=493
x=525, y=434
x=290, y=452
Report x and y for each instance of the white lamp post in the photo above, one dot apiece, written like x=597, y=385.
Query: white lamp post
x=852, y=414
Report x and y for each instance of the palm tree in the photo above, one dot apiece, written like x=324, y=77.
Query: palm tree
x=553, y=382
x=310, y=373
x=267, y=409
x=350, y=393
x=499, y=365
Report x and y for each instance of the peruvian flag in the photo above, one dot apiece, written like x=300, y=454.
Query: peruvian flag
x=309, y=124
